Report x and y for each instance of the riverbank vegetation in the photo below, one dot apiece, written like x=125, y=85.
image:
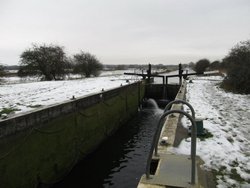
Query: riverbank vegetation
x=2, y=72
x=50, y=62
x=87, y=64
x=238, y=69
x=235, y=65
x=47, y=61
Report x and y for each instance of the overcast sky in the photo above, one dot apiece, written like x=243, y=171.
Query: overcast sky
x=125, y=31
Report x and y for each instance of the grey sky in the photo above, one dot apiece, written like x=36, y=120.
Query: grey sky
x=126, y=31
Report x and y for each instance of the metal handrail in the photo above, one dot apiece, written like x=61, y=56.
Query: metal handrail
x=166, y=108
x=180, y=101
x=157, y=136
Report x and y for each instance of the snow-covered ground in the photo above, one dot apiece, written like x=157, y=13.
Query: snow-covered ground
x=17, y=80
x=227, y=118
x=23, y=97
x=19, y=95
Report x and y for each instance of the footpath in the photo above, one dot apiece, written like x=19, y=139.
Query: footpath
x=175, y=170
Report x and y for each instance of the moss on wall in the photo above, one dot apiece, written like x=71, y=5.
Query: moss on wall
x=47, y=152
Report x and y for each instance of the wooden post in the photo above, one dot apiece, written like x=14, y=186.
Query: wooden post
x=166, y=86
x=180, y=74
x=149, y=72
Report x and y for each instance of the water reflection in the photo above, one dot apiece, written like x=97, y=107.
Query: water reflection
x=121, y=160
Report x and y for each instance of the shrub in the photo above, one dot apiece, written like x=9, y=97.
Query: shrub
x=238, y=68
x=215, y=65
x=201, y=65
x=87, y=64
x=2, y=71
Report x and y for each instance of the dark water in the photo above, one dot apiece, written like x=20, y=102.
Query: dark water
x=121, y=160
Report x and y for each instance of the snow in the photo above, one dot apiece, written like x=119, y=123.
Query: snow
x=28, y=79
x=16, y=80
x=226, y=117
x=23, y=97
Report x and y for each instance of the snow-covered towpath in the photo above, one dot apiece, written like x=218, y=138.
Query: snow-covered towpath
x=227, y=118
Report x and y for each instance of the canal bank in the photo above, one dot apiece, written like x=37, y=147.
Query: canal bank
x=41, y=147
x=121, y=159
x=168, y=169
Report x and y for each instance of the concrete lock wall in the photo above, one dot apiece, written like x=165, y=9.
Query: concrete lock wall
x=41, y=147
x=159, y=91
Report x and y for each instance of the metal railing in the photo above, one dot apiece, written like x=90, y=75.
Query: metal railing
x=180, y=101
x=158, y=133
x=165, y=110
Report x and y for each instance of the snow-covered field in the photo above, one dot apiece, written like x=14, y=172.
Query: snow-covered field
x=23, y=97
x=227, y=118
x=16, y=79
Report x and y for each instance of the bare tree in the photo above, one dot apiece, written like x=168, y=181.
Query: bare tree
x=48, y=61
x=87, y=64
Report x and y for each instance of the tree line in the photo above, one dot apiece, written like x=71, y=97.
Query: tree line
x=236, y=65
x=205, y=65
x=50, y=62
x=2, y=71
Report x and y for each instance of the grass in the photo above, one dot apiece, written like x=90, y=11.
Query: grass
x=219, y=172
x=11, y=109
x=235, y=176
x=232, y=174
x=235, y=163
x=8, y=110
x=34, y=106
x=230, y=139
x=205, y=136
